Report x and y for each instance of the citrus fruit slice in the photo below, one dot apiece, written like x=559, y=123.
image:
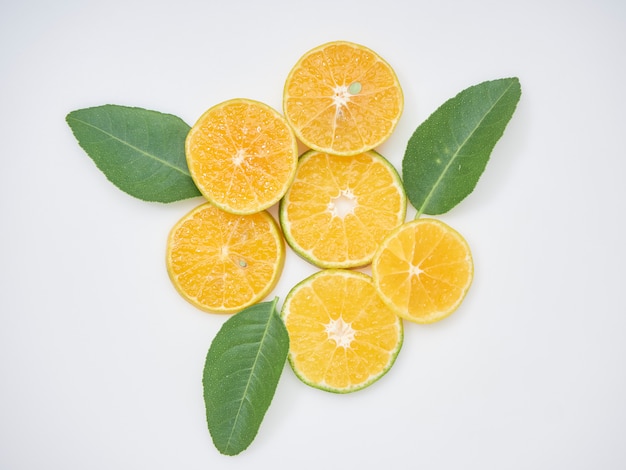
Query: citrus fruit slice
x=342, y=98
x=342, y=337
x=223, y=262
x=338, y=209
x=242, y=155
x=423, y=269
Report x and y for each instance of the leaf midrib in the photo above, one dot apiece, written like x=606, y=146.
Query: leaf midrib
x=420, y=211
x=252, y=370
x=129, y=145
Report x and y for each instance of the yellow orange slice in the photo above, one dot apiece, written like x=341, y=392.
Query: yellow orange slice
x=339, y=209
x=423, y=270
x=242, y=155
x=342, y=336
x=223, y=262
x=342, y=98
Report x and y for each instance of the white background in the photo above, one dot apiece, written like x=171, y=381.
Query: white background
x=100, y=358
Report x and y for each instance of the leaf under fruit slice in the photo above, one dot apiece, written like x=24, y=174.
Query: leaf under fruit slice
x=141, y=151
x=241, y=373
x=447, y=153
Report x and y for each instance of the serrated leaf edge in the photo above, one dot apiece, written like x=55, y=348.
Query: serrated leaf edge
x=252, y=370
x=422, y=208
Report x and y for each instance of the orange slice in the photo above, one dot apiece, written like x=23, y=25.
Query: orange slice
x=342, y=98
x=342, y=336
x=242, y=155
x=423, y=270
x=222, y=262
x=339, y=209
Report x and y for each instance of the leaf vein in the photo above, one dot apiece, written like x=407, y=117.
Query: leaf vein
x=112, y=136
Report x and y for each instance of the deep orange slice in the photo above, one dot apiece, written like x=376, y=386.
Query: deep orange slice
x=342, y=98
x=223, y=262
x=242, y=155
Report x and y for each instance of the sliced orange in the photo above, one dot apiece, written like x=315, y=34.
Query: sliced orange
x=342, y=98
x=342, y=337
x=223, y=262
x=339, y=209
x=242, y=155
x=423, y=270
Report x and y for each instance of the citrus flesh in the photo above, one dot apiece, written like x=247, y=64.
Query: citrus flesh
x=342, y=336
x=342, y=98
x=339, y=209
x=423, y=269
x=223, y=262
x=242, y=155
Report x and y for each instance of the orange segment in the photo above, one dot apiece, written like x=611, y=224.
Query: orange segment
x=242, y=155
x=339, y=209
x=423, y=270
x=342, y=336
x=342, y=98
x=222, y=262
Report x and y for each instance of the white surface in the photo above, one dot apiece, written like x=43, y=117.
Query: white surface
x=101, y=360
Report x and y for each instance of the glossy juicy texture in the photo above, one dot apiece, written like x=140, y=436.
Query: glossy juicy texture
x=342, y=336
x=242, y=155
x=423, y=270
x=339, y=209
x=222, y=262
x=342, y=98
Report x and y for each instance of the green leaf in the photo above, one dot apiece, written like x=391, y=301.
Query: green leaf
x=448, y=152
x=142, y=152
x=241, y=372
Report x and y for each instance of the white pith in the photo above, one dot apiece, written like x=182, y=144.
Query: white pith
x=344, y=204
x=239, y=157
x=341, y=96
x=340, y=332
